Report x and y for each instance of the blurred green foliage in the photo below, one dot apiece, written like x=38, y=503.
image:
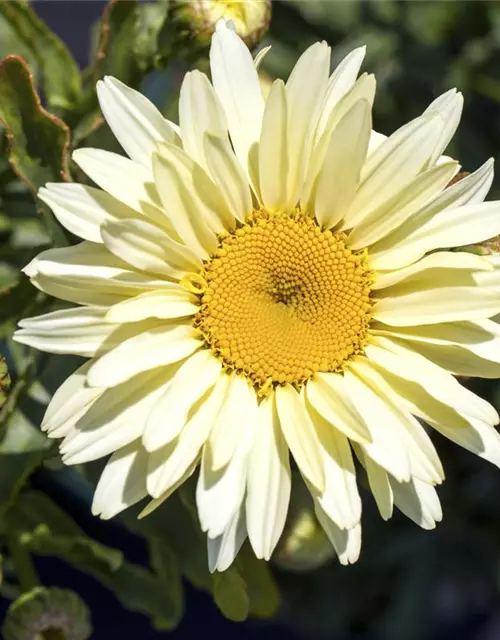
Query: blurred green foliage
x=417, y=49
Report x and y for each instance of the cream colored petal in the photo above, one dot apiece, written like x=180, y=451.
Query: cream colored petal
x=188, y=385
x=200, y=112
x=328, y=395
x=346, y=542
x=259, y=58
x=81, y=331
x=305, y=90
x=174, y=302
x=434, y=226
x=219, y=494
x=122, y=483
x=300, y=435
x=392, y=166
x=115, y=420
x=82, y=210
x=273, y=149
x=363, y=89
x=235, y=424
x=191, y=200
x=424, y=460
x=378, y=480
x=432, y=263
x=237, y=84
x=156, y=347
x=135, y=121
x=168, y=464
x=71, y=400
x=339, y=83
x=449, y=105
x=441, y=304
x=405, y=363
x=478, y=437
x=418, y=501
x=146, y=247
x=223, y=549
x=228, y=175
x=390, y=215
x=339, y=178
x=340, y=499
x=385, y=422
x=156, y=502
x=122, y=178
x=268, y=483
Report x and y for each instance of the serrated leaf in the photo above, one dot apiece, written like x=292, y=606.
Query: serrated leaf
x=260, y=585
x=4, y=381
x=115, y=55
x=230, y=594
x=165, y=565
x=38, y=141
x=61, y=76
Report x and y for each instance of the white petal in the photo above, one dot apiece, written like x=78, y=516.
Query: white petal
x=115, y=420
x=188, y=385
x=135, y=121
x=174, y=302
x=305, y=90
x=434, y=261
x=82, y=210
x=237, y=84
x=146, y=247
x=223, y=550
x=385, y=423
x=454, y=218
x=268, y=483
x=200, y=112
x=378, y=480
x=391, y=167
x=152, y=348
x=191, y=200
x=340, y=498
x=300, y=435
x=328, y=395
x=71, y=400
x=346, y=542
x=81, y=331
x=124, y=179
x=339, y=83
x=122, y=483
x=346, y=153
x=449, y=106
x=405, y=363
x=418, y=501
x=273, y=149
x=227, y=173
x=168, y=464
x=390, y=215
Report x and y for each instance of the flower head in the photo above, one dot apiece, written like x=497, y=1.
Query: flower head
x=271, y=280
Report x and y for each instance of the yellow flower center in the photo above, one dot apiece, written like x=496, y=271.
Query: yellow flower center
x=285, y=299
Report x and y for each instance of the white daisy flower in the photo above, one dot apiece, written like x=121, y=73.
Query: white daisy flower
x=269, y=281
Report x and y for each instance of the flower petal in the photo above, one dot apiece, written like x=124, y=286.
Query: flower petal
x=418, y=501
x=223, y=549
x=346, y=542
x=268, y=483
x=174, y=302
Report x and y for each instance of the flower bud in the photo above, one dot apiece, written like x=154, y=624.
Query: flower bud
x=47, y=609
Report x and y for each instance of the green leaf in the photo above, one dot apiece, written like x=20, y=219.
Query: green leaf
x=33, y=508
x=230, y=594
x=115, y=55
x=165, y=565
x=61, y=76
x=38, y=141
x=260, y=585
x=4, y=381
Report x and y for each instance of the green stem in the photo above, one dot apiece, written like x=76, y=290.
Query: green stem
x=25, y=570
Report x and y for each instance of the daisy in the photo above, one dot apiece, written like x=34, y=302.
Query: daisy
x=271, y=284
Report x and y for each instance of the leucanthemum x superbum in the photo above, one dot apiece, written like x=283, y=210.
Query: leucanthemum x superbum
x=268, y=278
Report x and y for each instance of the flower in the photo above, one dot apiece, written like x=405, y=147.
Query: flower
x=271, y=278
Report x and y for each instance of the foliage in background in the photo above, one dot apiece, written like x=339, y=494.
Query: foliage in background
x=417, y=50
